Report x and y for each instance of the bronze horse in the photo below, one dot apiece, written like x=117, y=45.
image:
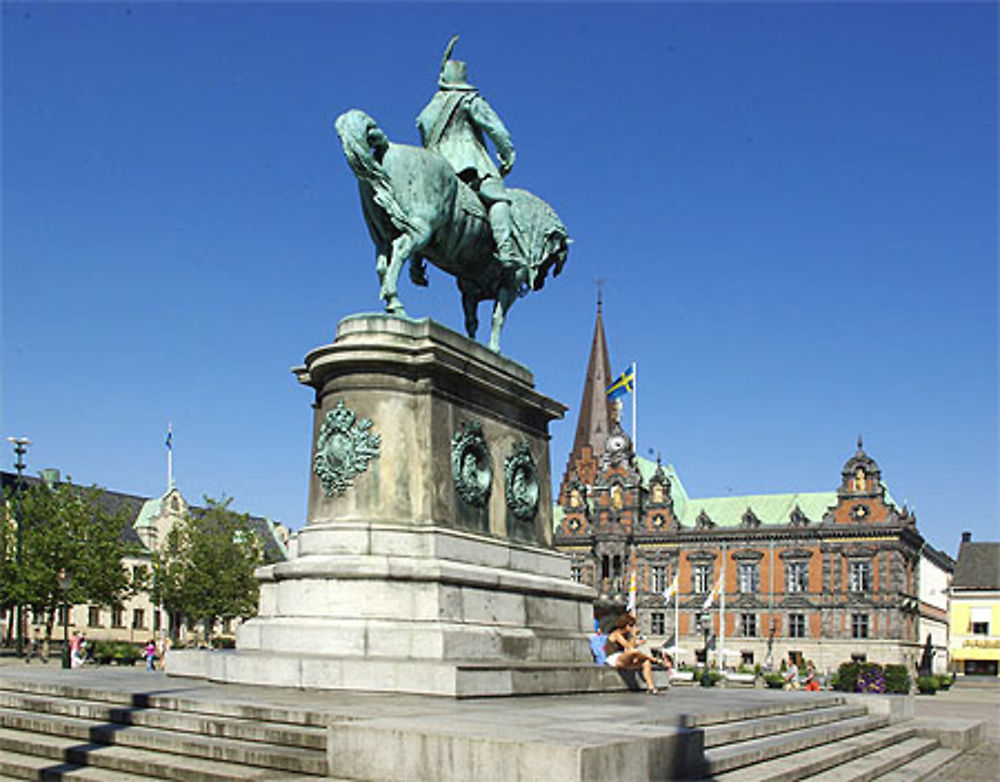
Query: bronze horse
x=417, y=207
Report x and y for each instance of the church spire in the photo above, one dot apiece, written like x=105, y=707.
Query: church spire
x=594, y=421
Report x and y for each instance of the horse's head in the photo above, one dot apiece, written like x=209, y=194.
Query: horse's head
x=543, y=237
x=555, y=250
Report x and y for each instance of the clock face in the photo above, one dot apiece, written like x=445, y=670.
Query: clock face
x=616, y=443
x=859, y=511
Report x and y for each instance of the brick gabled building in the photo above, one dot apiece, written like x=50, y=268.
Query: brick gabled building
x=825, y=576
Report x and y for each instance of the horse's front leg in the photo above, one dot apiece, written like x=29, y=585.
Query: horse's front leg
x=470, y=305
x=381, y=265
x=403, y=247
x=505, y=298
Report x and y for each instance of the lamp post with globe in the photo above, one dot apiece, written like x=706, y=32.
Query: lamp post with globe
x=65, y=582
x=20, y=448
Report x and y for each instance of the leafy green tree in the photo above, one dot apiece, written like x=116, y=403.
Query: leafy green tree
x=67, y=527
x=8, y=575
x=205, y=568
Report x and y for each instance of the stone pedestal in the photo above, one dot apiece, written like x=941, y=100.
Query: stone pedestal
x=426, y=563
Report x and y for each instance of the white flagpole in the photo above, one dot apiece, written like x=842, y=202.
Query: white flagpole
x=635, y=393
x=677, y=615
x=722, y=612
x=170, y=456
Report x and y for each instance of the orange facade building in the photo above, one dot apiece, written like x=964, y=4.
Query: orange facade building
x=821, y=576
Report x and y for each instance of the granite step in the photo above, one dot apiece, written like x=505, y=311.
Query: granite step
x=167, y=702
x=768, y=748
x=759, y=727
x=924, y=767
x=253, y=753
x=776, y=709
x=876, y=764
x=820, y=756
x=188, y=722
x=18, y=765
x=51, y=754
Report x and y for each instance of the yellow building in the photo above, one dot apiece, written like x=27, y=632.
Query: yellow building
x=975, y=609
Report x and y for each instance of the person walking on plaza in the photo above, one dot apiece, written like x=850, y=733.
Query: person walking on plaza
x=34, y=647
x=150, y=654
x=792, y=675
x=75, y=657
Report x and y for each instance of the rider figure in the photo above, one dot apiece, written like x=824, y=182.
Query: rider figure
x=453, y=124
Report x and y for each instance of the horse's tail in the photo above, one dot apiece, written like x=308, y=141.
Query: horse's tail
x=364, y=147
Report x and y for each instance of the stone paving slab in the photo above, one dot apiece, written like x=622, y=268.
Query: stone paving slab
x=591, y=732
x=664, y=709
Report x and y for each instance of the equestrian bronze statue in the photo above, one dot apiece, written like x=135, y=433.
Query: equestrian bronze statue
x=447, y=203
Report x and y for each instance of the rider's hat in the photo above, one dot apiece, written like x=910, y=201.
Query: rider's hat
x=453, y=72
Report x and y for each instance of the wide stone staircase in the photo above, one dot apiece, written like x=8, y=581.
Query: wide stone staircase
x=52, y=732
x=830, y=740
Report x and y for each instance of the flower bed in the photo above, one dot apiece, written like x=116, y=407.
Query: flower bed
x=872, y=678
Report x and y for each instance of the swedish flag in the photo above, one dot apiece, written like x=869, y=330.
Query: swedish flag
x=625, y=384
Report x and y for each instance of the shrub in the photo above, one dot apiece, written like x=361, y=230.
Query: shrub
x=944, y=681
x=774, y=680
x=710, y=678
x=928, y=685
x=897, y=680
x=116, y=652
x=846, y=677
x=223, y=642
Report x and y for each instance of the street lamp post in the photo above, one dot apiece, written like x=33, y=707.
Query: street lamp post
x=705, y=623
x=20, y=448
x=65, y=582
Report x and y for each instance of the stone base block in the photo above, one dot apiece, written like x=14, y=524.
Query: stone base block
x=425, y=677
x=391, y=749
x=425, y=593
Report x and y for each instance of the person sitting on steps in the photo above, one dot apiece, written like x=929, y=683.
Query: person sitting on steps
x=623, y=654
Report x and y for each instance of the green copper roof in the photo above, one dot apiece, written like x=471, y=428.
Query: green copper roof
x=728, y=511
x=149, y=511
x=769, y=508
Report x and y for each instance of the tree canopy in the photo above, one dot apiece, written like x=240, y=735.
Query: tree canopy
x=205, y=568
x=63, y=527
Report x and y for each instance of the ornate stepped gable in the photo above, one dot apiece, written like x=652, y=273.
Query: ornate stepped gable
x=862, y=497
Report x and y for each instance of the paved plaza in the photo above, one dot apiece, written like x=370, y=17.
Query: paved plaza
x=547, y=719
x=969, y=700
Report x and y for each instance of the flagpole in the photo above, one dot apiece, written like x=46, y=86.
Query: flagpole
x=170, y=457
x=677, y=615
x=722, y=612
x=635, y=393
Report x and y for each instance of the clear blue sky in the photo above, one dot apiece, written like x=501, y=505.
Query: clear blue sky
x=794, y=207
